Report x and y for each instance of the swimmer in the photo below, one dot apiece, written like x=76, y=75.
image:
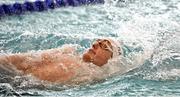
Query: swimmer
x=60, y=65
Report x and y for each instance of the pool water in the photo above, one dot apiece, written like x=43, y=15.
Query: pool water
x=152, y=25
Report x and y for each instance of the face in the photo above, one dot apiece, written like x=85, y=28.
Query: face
x=99, y=53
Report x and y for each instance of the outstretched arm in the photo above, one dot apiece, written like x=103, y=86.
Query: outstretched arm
x=26, y=61
x=14, y=60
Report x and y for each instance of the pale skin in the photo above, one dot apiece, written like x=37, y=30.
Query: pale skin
x=55, y=66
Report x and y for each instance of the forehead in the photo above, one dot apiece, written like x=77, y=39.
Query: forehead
x=103, y=40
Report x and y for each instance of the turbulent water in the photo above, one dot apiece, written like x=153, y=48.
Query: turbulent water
x=141, y=24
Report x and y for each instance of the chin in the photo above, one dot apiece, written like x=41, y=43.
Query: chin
x=86, y=57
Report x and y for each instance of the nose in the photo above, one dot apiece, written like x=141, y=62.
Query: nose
x=95, y=46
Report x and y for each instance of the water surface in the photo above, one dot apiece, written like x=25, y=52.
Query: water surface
x=152, y=24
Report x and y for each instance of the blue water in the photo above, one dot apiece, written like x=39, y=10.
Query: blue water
x=152, y=25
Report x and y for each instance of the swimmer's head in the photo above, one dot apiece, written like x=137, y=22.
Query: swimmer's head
x=116, y=47
x=101, y=51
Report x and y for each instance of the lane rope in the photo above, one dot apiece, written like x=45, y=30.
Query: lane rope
x=39, y=6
